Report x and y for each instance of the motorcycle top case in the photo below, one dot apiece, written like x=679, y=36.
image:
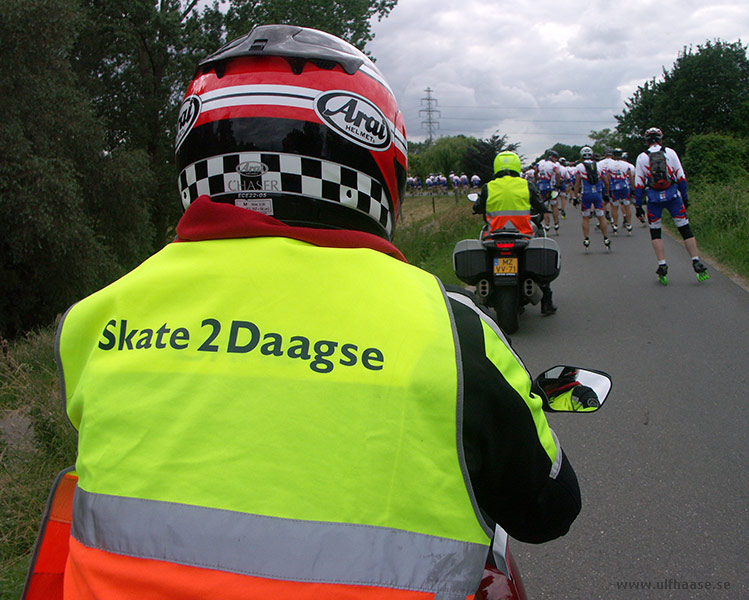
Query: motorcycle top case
x=543, y=262
x=471, y=261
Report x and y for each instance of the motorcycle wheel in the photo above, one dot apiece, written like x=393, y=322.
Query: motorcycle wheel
x=506, y=305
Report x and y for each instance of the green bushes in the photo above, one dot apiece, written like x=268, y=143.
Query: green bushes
x=716, y=167
x=719, y=215
x=715, y=158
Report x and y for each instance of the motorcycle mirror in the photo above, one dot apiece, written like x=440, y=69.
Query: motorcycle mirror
x=572, y=389
x=473, y=197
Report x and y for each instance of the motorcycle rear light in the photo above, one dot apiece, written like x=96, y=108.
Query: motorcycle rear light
x=506, y=245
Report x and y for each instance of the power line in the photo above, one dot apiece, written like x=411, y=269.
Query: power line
x=431, y=123
x=551, y=133
x=523, y=120
x=495, y=106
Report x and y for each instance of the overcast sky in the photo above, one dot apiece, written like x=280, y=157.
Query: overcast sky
x=541, y=72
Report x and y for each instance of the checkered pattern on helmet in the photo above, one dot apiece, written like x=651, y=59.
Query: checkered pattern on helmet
x=292, y=174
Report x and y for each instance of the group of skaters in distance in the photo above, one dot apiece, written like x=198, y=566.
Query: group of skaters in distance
x=436, y=183
x=606, y=185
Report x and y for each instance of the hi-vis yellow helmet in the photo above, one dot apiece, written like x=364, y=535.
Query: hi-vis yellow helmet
x=507, y=161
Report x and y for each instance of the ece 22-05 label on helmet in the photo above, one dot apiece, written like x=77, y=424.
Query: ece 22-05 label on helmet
x=355, y=118
x=188, y=114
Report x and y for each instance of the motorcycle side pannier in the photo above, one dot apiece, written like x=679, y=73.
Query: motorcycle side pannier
x=471, y=261
x=542, y=259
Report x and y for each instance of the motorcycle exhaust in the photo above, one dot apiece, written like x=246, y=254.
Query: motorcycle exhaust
x=483, y=289
x=532, y=291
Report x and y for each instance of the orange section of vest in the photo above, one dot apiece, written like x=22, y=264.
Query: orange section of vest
x=93, y=574
x=522, y=224
x=46, y=578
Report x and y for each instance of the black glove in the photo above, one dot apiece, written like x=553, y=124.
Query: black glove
x=476, y=210
x=585, y=397
x=685, y=201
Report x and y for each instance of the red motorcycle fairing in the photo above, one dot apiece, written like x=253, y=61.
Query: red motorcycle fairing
x=495, y=585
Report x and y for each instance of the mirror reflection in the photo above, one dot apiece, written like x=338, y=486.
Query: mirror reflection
x=573, y=389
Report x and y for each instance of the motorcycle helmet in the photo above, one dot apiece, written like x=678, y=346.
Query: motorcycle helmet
x=586, y=153
x=297, y=124
x=552, y=154
x=617, y=153
x=507, y=161
x=558, y=383
x=653, y=135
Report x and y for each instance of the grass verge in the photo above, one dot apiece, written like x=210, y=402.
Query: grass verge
x=36, y=442
x=427, y=233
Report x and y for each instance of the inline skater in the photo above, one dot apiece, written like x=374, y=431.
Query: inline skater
x=589, y=186
x=565, y=171
x=464, y=181
x=660, y=178
x=620, y=179
x=639, y=212
x=603, y=165
x=548, y=181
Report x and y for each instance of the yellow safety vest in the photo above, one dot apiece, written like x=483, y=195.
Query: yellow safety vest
x=509, y=200
x=294, y=401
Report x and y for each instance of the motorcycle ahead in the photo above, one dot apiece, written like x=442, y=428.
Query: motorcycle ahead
x=562, y=389
x=508, y=269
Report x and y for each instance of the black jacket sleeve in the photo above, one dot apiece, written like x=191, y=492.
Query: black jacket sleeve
x=479, y=208
x=537, y=205
x=520, y=477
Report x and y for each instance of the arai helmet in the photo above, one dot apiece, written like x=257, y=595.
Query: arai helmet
x=297, y=124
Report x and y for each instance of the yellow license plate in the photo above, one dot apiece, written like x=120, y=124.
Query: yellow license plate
x=505, y=266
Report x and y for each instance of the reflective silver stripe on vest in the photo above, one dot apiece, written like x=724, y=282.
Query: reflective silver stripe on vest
x=272, y=547
x=508, y=213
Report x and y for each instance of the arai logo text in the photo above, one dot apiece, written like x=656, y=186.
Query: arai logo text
x=188, y=114
x=354, y=117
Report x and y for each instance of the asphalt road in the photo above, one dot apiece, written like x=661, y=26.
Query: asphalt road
x=663, y=465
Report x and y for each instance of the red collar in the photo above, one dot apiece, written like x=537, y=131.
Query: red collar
x=207, y=220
